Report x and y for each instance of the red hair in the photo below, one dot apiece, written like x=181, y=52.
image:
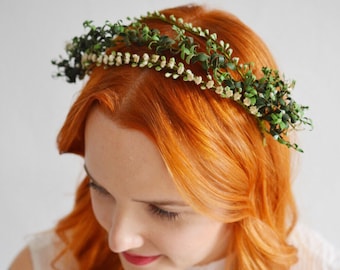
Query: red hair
x=213, y=148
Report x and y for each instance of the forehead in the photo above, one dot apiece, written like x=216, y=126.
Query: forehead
x=117, y=156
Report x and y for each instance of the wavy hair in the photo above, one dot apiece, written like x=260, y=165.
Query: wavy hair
x=212, y=147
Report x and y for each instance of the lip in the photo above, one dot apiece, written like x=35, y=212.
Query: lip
x=139, y=260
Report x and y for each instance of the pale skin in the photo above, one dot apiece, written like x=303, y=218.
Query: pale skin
x=135, y=200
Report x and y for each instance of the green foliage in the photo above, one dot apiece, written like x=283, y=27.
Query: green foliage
x=268, y=98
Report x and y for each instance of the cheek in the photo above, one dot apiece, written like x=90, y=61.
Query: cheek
x=210, y=241
x=177, y=238
x=102, y=208
x=196, y=242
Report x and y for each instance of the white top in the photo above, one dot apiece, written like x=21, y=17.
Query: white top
x=44, y=248
x=313, y=251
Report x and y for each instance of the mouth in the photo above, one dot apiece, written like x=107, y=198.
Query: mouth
x=139, y=260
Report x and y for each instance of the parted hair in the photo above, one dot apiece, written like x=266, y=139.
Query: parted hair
x=220, y=161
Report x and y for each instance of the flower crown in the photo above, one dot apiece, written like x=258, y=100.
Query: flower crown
x=267, y=98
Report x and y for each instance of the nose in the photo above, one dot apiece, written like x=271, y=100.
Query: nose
x=125, y=232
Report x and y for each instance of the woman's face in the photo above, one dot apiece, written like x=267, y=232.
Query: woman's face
x=135, y=200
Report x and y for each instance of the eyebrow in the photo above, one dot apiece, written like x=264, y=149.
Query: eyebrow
x=153, y=202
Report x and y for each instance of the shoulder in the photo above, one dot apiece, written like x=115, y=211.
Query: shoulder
x=23, y=261
x=314, y=252
x=41, y=251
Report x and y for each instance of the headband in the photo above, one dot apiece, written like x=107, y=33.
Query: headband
x=268, y=98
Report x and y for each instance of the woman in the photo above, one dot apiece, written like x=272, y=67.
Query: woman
x=186, y=151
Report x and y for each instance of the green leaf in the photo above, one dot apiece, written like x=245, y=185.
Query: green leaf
x=200, y=57
x=231, y=65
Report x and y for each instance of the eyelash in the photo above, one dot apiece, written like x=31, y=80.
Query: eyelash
x=164, y=214
x=98, y=189
x=172, y=216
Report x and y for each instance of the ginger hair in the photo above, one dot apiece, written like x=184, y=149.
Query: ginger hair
x=212, y=147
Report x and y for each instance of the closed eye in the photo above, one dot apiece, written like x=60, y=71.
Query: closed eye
x=169, y=215
x=102, y=191
x=94, y=185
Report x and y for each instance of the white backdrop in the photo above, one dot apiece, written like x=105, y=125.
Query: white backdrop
x=37, y=184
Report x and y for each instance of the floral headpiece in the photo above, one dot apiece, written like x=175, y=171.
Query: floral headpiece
x=267, y=98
